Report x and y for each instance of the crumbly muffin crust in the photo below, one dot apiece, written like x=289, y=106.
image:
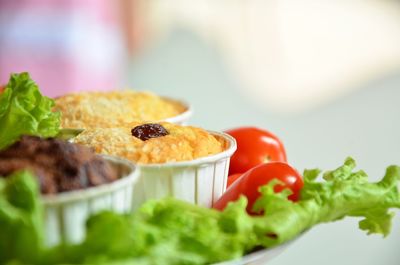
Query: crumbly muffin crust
x=114, y=109
x=183, y=143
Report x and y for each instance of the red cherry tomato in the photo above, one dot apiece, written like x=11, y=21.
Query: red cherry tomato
x=254, y=147
x=232, y=178
x=249, y=183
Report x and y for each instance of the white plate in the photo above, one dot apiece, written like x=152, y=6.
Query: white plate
x=260, y=257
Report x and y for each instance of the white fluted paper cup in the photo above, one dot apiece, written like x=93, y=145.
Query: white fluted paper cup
x=66, y=213
x=182, y=118
x=201, y=181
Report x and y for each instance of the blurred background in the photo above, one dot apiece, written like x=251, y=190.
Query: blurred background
x=323, y=75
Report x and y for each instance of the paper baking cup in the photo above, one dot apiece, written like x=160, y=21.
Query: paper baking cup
x=66, y=213
x=183, y=118
x=201, y=181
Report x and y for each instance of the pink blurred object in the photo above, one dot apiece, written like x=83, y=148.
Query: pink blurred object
x=66, y=45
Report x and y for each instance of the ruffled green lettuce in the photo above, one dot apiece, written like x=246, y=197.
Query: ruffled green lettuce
x=344, y=192
x=170, y=231
x=24, y=110
x=21, y=213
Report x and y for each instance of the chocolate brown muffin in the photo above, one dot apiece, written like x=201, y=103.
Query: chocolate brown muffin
x=60, y=166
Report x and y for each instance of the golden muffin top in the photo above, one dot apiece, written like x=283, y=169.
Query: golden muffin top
x=171, y=144
x=113, y=109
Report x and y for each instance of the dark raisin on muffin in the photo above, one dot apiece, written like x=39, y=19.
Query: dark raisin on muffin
x=149, y=130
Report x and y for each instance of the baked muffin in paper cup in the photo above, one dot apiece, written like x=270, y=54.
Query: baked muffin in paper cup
x=184, y=162
x=66, y=213
x=200, y=181
x=74, y=183
x=117, y=108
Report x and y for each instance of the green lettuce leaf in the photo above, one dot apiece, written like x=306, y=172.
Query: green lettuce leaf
x=343, y=193
x=174, y=232
x=170, y=231
x=24, y=110
x=21, y=225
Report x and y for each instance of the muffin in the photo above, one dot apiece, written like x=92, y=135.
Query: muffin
x=184, y=162
x=74, y=181
x=116, y=109
x=177, y=143
x=59, y=166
